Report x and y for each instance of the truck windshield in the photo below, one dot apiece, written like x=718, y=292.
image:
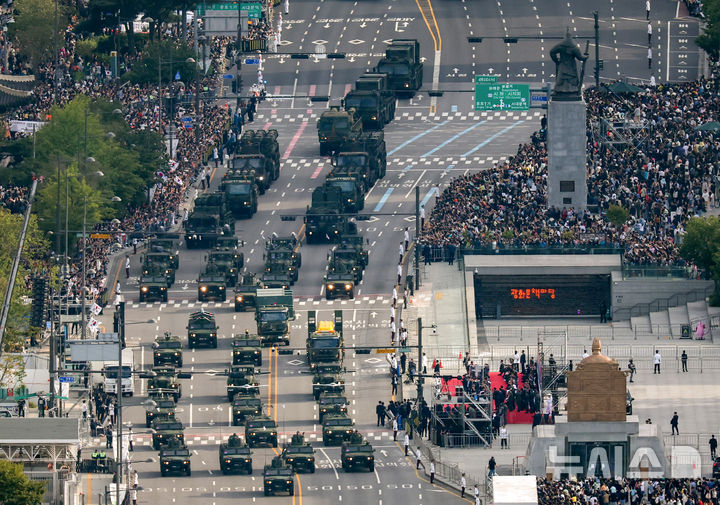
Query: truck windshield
x=325, y=343
x=354, y=160
x=268, y=317
x=169, y=345
x=202, y=221
x=361, y=102
x=111, y=372
x=345, y=186
x=202, y=325
x=235, y=451
x=393, y=69
x=248, y=163
x=359, y=448
x=239, y=189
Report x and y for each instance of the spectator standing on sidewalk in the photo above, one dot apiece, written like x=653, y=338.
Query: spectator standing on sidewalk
x=407, y=238
x=503, y=438
x=713, y=446
x=127, y=267
x=417, y=458
x=674, y=424
x=202, y=178
x=683, y=360
x=432, y=471
x=650, y=58
x=491, y=466
x=647, y=9
x=657, y=361
x=462, y=486
x=631, y=368
x=649, y=31
x=407, y=442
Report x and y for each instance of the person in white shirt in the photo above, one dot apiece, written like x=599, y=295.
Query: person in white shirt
x=503, y=438
x=287, y=6
x=424, y=363
x=432, y=471
x=395, y=429
x=462, y=486
x=657, y=361
x=422, y=217
x=407, y=239
x=649, y=33
x=417, y=458
x=401, y=250
x=400, y=272
x=647, y=9
x=516, y=361
x=650, y=58
x=585, y=354
x=394, y=296
x=407, y=443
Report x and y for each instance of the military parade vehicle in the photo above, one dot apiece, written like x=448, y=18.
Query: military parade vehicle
x=245, y=405
x=373, y=110
x=273, y=311
x=403, y=66
x=278, y=478
x=164, y=408
x=226, y=261
x=261, y=430
x=328, y=378
x=164, y=385
x=241, y=379
x=364, y=157
x=277, y=276
x=163, y=431
x=167, y=349
x=259, y=152
x=209, y=220
x=212, y=285
x=246, y=292
x=235, y=456
x=241, y=189
x=335, y=126
x=247, y=349
x=340, y=284
x=343, y=260
x=289, y=243
x=324, y=343
x=229, y=242
x=352, y=189
x=154, y=287
x=175, y=460
x=227, y=250
x=331, y=403
x=323, y=221
x=166, y=243
x=337, y=428
x=357, y=453
x=377, y=82
x=158, y=263
x=356, y=242
x=299, y=455
x=202, y=329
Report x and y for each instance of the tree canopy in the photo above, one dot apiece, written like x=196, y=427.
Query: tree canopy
x=16, y=488
x=34, y=28
x=701, y=246
x=710, y=39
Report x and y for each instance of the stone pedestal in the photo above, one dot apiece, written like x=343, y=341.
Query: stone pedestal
x=566, y=141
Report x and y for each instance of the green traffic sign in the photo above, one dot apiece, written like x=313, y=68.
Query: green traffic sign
x=485, y=79
x=502, y=96
x=254, y=9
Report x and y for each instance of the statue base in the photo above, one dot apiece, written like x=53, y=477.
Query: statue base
x=603, y=449
x=567, y=158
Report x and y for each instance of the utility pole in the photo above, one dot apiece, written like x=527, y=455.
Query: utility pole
x=417, y=237
x=597, y=50
x=238, y=61
x=421, y=378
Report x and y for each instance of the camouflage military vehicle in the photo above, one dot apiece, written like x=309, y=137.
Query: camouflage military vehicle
x=261, y=430
x=357, y=453
x=167, y=349
x=337, y=428
x=241, y=379
x=331, y=403
x=202, y=329
x=328, y=378
x=164, y=408
x=164, y=431
x=175, y=460
x=245, y=405
x=278, y=478
x=235, y=456
x=247, y=350
x=299, y=455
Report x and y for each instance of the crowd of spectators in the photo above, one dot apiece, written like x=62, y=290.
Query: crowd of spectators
x=695, y=8
x=627, y=491
x=142, y=110
x=14, y=198
x=666, y=175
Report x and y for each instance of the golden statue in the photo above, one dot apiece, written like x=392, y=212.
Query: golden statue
x=597, y=389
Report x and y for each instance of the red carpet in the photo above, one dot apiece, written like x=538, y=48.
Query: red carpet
x=513, y=417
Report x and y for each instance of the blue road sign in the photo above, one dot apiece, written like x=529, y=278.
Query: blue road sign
x=539, y=98
x=228, y=76
x=177, y=75
x=67, y=379
x=186, y=119
x=252, y=61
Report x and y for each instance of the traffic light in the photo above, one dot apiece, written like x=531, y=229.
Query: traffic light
x=37, y=311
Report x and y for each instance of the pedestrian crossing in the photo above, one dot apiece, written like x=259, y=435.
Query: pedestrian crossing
x=305, y=301
x=299, y=115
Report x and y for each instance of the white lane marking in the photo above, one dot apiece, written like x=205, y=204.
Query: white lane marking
x=331, y=463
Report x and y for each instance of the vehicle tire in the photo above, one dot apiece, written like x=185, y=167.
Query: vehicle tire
x=224, y=297
x=155, y=446
x=326, y=442
x=352, y=294
x=147, y=424
x=292, y=490
x=190, y=344
x=372, y=466
x=180, y=363
x=163, y=473
x=275, y=442
x=214, y=343
x=224, y=470
x=344, y=467
x=188, y=472
x=258, y=362
x=142, y=299
x=267, y=493
x=323, y=151
x=165, y=298
x=249, y=470
x=312, y=468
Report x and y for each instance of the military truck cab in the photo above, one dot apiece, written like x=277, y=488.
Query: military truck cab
x=235, y=456
x=164, y=408
x=273, y=312
x=299, y=455
x=336, y=126
x=241, y=380
x=246, y=292
x=337, y=428
x=245, y=405
x=278, y=478
x=403, y=66
x=331, y=403
x=324, y=343
x=261, y=430
x=153, y=287
x=328, y=378
x=357, y=453
x=165, y=431
x=247, y=350
x=175, y=460
x=167, y=349
x=202, y=329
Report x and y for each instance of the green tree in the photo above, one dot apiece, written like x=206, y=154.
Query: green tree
x=617, y=215
x=171, y=57
x=710, y=39
x=701, y=246
x=16, y=488
x=34, y=28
